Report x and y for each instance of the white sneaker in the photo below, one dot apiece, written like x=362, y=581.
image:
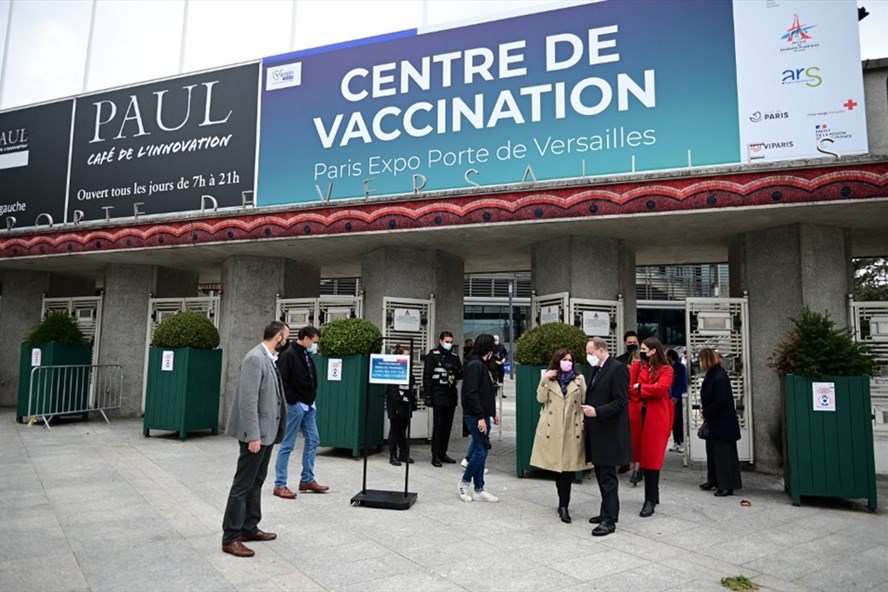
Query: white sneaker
x=464, y=489
x=483, y=496
x=465, y=464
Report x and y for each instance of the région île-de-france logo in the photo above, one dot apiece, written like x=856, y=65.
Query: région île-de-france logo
x=798, y=36
x=284, y=76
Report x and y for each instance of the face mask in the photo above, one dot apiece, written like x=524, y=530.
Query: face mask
x=281, y=346
x=631, y=347
x=643, y=355
x=593, y=360
x=447, y=346
x=566, y=365
x=313, y=349
x=496, y=341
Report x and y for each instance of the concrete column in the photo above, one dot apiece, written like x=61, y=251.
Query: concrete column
x=783, y=270
x=125, y=320
x=19, y=313
x=250, y=287
x=415, y=273
x=597, y=269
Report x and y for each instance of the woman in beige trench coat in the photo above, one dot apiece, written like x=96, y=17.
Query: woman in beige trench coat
x=558, y=444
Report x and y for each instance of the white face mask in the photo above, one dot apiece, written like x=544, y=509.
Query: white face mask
x=593, y=360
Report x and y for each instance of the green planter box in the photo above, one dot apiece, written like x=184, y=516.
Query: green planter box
x=54, y=395
x=830, y=453
x=341, y=405
x=187, y=398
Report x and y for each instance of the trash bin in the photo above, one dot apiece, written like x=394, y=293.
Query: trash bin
x=829, y=438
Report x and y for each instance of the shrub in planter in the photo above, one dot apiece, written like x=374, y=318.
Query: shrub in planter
x=344, y=405
x=349, y=337
x=536, y=346
x=826, y=378
x=58, y=327
x=186, y=329
x=183, y=394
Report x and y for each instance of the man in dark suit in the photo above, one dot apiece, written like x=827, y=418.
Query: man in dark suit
x=608, y=444
x=257, y=419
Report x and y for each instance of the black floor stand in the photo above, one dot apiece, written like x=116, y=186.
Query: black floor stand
x=377, y=498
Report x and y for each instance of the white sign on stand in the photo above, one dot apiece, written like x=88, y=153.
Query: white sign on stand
x=596, y=323
x=36, y=356
x=824, y=396
x=166, y=362
x=390, y=369
x=407, y=319
x=334, y=369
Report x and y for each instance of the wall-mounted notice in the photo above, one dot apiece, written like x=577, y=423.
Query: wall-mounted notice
x=334, y=369
x=596, y=323
x=824, y=396
x=166, y=361
x=407, y=319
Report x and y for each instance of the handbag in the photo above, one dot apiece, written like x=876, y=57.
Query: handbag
x=703, y=432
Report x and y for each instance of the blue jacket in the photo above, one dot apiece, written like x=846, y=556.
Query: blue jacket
x=679, y=381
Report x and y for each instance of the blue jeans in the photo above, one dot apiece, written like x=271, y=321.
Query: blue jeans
x=298, y=420
x=478, y=453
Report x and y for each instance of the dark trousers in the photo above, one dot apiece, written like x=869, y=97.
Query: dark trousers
x=608, y=486
x=723, y=465
x=244, y=509
x=563, y=483
x=398, y=437
x=442, y=423
x=678, y=424
x=652, y=486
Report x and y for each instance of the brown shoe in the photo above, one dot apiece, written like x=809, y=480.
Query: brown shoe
x=285, y=492
x=257, y=536
x=238, y=549
x=313, y=486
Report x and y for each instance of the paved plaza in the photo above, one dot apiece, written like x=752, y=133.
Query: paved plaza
x=91, y=506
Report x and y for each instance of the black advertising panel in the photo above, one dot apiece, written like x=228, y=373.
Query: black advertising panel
x=34, y=165
x=158, y=148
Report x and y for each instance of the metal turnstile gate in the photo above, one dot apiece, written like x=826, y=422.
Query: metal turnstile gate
x=161, y=308
x=869, y=323
x=549, y=308
x=721, y=324
x=299, y=312
x=405, y=319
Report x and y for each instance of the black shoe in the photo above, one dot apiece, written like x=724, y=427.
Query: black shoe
x=394, y=462
x=436, y=462
x=636, y=476
x=707, y=486
x=565, y=516
x=724, y=492
x=603, y=530
x=647, y=509
x=448, y=460
x=623, y=469
x=597, y=520
x=407, y=460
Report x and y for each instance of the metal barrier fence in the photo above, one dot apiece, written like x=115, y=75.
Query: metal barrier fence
x=74, y=390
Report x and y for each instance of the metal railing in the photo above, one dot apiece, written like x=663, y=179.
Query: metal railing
x=74, y=390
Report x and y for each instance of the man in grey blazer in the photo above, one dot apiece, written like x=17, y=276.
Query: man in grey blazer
x=257, y=419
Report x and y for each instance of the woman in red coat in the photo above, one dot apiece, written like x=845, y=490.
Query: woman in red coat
x=650, y=416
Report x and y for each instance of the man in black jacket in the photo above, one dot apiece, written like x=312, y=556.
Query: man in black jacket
x=630, y=338
x=300, y=388
x=479, y=408
x=608, y=443
x=441, y=370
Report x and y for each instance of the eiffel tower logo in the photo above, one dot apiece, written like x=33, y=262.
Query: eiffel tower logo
x=797, y=32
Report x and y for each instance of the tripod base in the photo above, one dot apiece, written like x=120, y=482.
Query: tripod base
x=389, y=500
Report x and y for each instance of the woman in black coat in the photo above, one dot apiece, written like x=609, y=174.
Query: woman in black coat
x=717, y=399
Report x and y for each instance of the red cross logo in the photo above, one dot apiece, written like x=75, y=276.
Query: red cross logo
x=850, y=104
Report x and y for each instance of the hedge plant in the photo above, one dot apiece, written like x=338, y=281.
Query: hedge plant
x=816, y=347
x=56, y=326
x=186, y=329
x=536, y=346
x=349, y=337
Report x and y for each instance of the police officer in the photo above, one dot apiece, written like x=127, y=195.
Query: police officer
x=441, y=370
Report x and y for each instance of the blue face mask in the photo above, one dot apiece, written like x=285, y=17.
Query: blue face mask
x=313, y=349
x=447, y=346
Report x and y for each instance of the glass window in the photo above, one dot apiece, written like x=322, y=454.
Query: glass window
x=47, y=51
x=320, y=22
x=223, y=33
x=134, y=41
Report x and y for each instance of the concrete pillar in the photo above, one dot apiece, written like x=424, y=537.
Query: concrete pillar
x=586, y=267
x=125, y=320
x=783, y=270
x=250, y=287
x=407, y=272
x=19, y=313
